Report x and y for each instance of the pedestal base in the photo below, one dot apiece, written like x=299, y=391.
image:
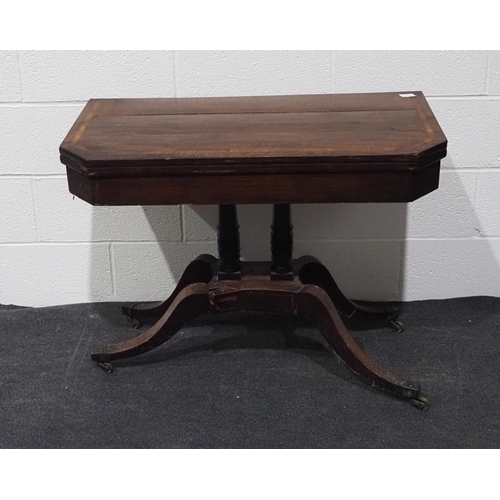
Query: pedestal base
x=312, y=292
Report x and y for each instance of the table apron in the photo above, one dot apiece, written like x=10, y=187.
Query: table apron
x=341, y=187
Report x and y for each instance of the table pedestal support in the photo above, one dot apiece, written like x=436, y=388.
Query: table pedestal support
x=281, y=243
x=228, y=239
x=302, y=287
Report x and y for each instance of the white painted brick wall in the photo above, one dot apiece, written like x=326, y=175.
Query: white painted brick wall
x=18, y=212
x=81, y=75
x=494, y=76
x=447, y=212
x=88, y=223
x=57, y=250
x=443, y=268
x=151, y=269
x=470, y=126
x=488, y=203
x=29, y=134
x=48, y=274
x=10, y=86
x=433, y=72
x=262, y=72
x=363, y=270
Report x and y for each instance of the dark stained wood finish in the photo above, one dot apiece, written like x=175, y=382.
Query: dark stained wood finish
x=280, y=149
x=311, y=271
x=256, y=292
x=228, y=242
x=281, y=241
x=343, y=187
x=200, y=270
x=191, y=302
x=285, y=149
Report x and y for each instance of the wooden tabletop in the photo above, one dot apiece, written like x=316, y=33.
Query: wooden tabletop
x=325, y=135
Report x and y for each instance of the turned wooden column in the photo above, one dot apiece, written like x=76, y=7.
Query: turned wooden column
x=281, y=243
x=228, y=241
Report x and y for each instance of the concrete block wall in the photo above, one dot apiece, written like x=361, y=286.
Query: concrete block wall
x=56, y=249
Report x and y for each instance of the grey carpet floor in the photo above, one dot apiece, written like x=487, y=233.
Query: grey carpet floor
x=248, y=381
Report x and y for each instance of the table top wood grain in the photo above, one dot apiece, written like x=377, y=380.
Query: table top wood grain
x=235, y=139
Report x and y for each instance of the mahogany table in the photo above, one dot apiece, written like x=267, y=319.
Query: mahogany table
x=379, y=147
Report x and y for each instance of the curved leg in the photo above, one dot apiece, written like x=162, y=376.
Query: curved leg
x=200, y=270
x=315, y=303
x=190, y=303
x=311, y=271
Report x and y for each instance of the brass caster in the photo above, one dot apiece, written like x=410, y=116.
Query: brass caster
x=135, y=322
x=422, y=403
x=395, y=325
x=107, y=367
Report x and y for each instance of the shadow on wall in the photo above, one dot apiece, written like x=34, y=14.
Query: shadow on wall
x=144, y=251
x=431, y=248
x=446, y=253
x=361, y=244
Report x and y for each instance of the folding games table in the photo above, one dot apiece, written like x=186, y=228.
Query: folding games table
x=279, y=150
